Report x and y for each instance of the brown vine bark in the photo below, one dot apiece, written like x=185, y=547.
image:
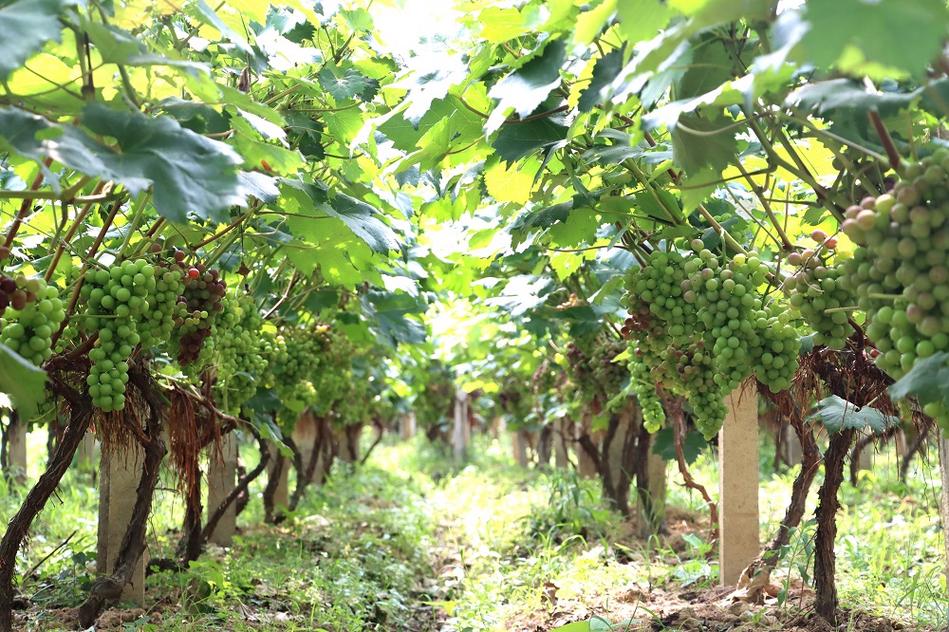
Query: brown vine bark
x=757, y=575
x=108, y=589
x=825, y=559
x=674, y=412
x=380, y=432
x=191, y=543
x=19, y=525
x=241, y=488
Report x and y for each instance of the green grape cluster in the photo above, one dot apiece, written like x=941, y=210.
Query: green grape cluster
x=336, y=355
x=116, y=300
x=610, y=377
x=295, y=372
x=644, y=388
x=824, y=301
x=699, y=326
x=900, y=271
x=241, y=357
x=164, y=306
x=29, y=330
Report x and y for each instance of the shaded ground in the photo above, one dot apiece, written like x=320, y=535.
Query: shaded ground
x=413, y=542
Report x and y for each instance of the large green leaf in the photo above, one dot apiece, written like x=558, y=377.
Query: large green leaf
x=22, y=381
x=700, y=143
x=927, y=381
x=838, y=414
x=187, y=171
x=365, y=222
x=517, y=140
x=836, y=95
x=526, y=88
x=347, y=84
x=25, y=26
x=604, y=72
x=902, y=34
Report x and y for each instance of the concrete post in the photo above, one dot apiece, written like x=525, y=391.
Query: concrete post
x=738, y=483
x=16, y=449
x=86, y=454
x=943, y=443
x=222, y=478
x=519, y=447
x=407, y=426
x=120, y=472
x=586, y=466
x=792, y=446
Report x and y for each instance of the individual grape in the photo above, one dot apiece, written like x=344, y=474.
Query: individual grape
x=29, y=330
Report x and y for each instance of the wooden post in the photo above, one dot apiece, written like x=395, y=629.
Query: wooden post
x=16, y=449
x=120, y=471
x=281, y=496
x=943, y=442
x=407, y=426
x=222, y=477
x=738, y=483
x=586, y=466
x=461, y=432
x=561, y=459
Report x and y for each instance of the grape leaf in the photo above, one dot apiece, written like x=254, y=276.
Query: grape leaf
x=348, y=85
x=188, y=171
x=22, y=381
x=34, y=22
x=364, y=221
x=708, y=149
x=605, y=70
x=903, y=34
x=663, y=444
x=515, y=141
x=927, y=381
x=526, y=88
x=838, y=414
x=835, y=95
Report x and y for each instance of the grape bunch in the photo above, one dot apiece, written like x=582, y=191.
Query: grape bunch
x=644, y=388
x=240, y=352
x=295, y=372
x=699, y=326
x=164, y=307
x=28, y=329
x=203, y=291
x=817, y=292
x=609, y=376
x=116, y=300
x=900, y=271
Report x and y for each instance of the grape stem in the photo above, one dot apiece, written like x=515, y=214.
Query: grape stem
x=885, y=139
x=25, y=207
x=93, y=249
x=846, y=308
x=61, y=246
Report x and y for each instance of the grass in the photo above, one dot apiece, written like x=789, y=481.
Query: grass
x=414, y=541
